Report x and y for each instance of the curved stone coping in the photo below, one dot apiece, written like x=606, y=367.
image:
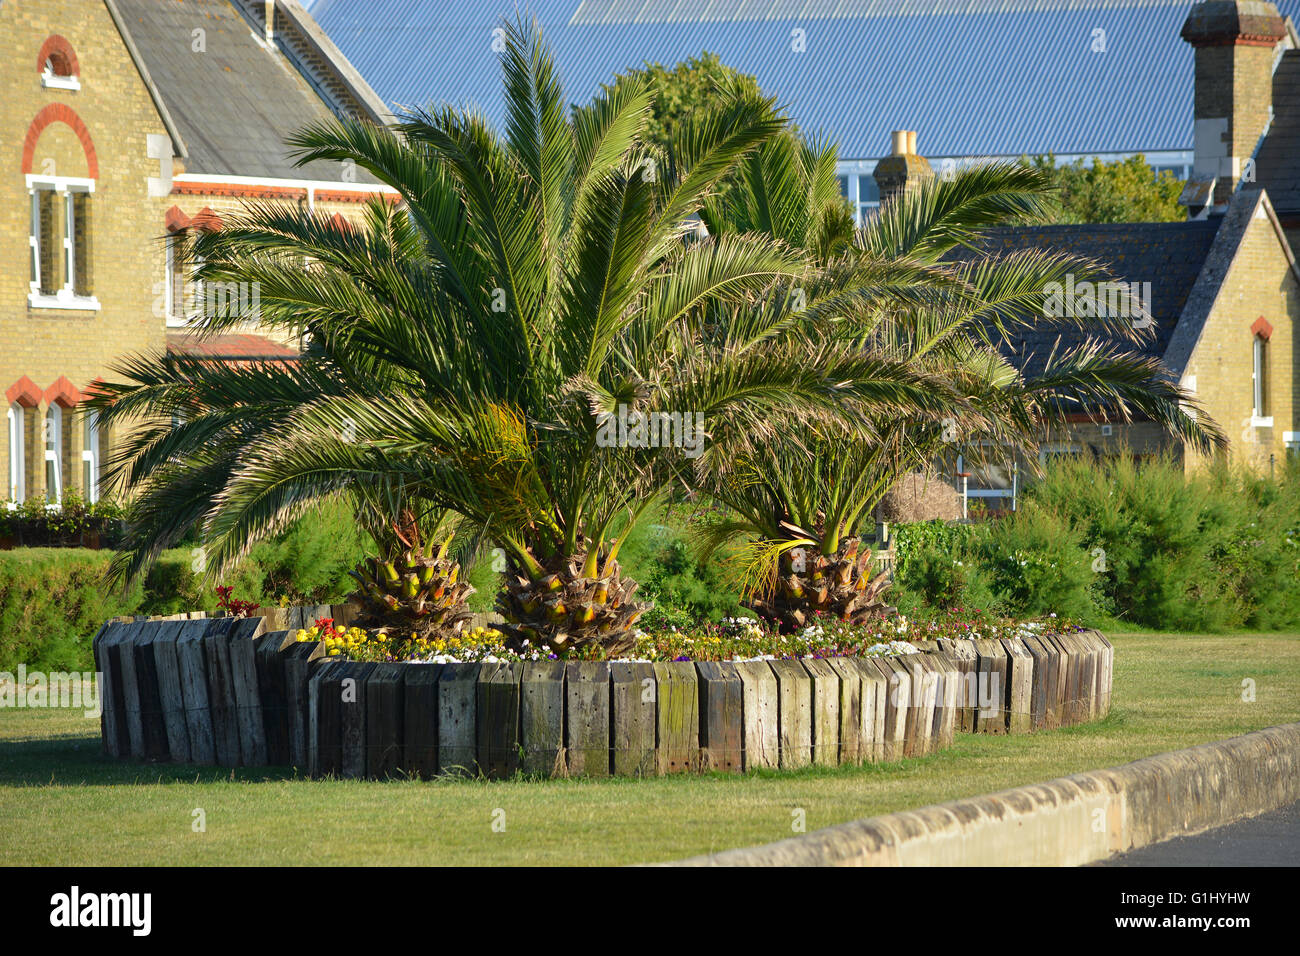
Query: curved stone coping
x=1064, y=822
x=226, y=691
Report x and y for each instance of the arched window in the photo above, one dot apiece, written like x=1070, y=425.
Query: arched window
x=57, y=62
x=54, y=454
x=1260, y=376
x=17, y=489
x=90, y=456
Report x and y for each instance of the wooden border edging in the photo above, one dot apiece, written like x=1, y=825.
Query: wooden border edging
x=1064, y=822
x=243, y=692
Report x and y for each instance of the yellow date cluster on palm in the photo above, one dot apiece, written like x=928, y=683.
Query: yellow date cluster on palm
x=569, y=613
x=840, y=585
x=415, y=593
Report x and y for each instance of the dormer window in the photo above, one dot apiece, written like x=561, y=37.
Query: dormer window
x=58, y=65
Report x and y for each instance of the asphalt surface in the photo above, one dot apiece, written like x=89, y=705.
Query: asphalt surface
x=1270, y=839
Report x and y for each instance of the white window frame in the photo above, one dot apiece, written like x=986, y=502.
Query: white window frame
x=1058, y=448
x=1259, y=380
x=90, y=453
x=53, y=435
x=65, y=298
x=174, y=321
x=53, y=81
x=17, y=455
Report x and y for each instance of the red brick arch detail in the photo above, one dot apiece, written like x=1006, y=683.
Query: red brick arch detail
x=1262, y=328
x=56, y=44
x=175, y=220
x=24, y=392
x=63, y=392
x=59, y=113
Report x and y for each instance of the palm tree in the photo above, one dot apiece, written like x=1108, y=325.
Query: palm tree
x=474, y=343
x=801, y=502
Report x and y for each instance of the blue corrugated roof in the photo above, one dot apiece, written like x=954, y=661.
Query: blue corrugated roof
x=974, y=77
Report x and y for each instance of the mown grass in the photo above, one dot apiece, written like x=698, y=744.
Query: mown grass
x=62, y=802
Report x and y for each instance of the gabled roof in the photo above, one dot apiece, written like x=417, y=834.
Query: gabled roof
x=1246, y=206
x=1168, y=255
x=233, y=101
x=975, y=77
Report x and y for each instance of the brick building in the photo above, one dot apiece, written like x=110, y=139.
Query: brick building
x=122, y=124
x=1222, y=289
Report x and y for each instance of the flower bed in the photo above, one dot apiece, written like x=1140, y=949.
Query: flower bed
x=732, y=639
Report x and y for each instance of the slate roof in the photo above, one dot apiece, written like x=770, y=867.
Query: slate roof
x=1169, y=255
x=232, y=104
x=974, y=77
x=1277, y=166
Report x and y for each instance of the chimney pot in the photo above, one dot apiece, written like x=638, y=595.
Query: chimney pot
x=899, y=145
x=911, y=142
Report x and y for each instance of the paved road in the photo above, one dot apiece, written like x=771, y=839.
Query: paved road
x=1271, y=839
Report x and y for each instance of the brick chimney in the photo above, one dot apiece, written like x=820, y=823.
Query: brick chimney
x=902, y=170
x=1234, y=42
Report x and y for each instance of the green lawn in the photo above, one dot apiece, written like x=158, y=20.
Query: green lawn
x=62, y=802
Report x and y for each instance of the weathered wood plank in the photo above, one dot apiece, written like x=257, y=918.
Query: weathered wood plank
x=325, y=717
x=101, y=683
x=920, y=715
x=457, y=719
x=964, y=655
x=131, y=691
x=497, y=720
x=794, y=689
x=298, y=660
x=993, y=687
x=152, y=723
x=248, y=698
x=112, y=698
x=221, y=690
x=420, y=719
x=1020, y=685
x=385, y=714
x=898, y=701
x=947, y=698
x=722, y=717
x=541, y=717
x=634, y=693
x=677, y=717
x=272, y=692
x=1087, y=704
x=761, y=712
x=825, y=712
x=171, y=692
x=345, y=614
x=586, y=704
x=852, y=723
x=1038, y=686
x=353, y=686
x=1105, y=671
x=192, y=661
x=1073, y=672
x=875, y=690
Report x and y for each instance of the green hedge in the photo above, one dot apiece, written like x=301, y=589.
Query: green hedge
x=52, y=600
x=1143, y=543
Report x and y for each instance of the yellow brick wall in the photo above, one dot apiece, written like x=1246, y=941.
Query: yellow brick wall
x=1260, y=282
x=113, y=102
x=128, y=258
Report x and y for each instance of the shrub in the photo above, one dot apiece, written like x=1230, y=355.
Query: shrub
x=659, y=556
x=1210, y=551
x=52, y=601
x=74, y=523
